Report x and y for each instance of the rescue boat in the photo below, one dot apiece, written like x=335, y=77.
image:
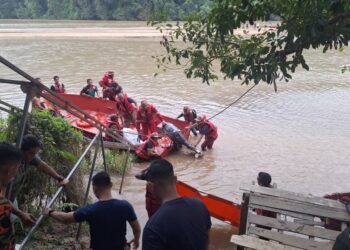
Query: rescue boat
x=101, y=109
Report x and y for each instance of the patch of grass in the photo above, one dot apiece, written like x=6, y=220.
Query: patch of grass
x=118, y=161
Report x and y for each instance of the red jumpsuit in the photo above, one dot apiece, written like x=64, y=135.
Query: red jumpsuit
x=126, y=109
x=152, y=203
x=115, y=127
x=106, y=81
x=147, y=119
x=210, y=131
x=107, y=87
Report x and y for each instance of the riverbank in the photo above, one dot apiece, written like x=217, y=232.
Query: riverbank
x=112, y=30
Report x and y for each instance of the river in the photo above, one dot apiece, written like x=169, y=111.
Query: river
x=300, y=135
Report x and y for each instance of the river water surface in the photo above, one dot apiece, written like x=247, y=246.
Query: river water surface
x=300, y=134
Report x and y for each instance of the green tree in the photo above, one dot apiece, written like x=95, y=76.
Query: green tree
x=35, y=8
x=267, y=56
x=8, y=9
x=99, y=9
x=64, y=9
x=86, y=9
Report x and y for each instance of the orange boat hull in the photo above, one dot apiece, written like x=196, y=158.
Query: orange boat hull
x=219, y=208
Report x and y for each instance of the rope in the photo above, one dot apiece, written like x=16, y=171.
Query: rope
x=237, y=100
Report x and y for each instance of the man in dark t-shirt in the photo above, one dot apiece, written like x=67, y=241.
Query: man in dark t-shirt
x=181, y=222
x=30, y=148
x=107, y=218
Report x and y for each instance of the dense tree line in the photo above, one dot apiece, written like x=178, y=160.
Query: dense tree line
x=101, y=9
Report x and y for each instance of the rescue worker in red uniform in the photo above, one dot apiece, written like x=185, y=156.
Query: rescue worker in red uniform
x=147, y=150
x=58, y=87
x=110, y=87
x=209, y=130
x=127, y=108
x=189, y=115
x=147, y=119
x=152, y=203
x=107, y=79
x=114, y=125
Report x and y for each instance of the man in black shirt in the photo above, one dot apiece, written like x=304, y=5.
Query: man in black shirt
x=181, y=222
x=107, y=217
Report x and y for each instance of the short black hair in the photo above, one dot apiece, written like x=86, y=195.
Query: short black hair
x=9, y=154
x=56, y=77
x=264, y=179
x=102, y=180
x=159, y=170
x=30, y=141
x=87, y=80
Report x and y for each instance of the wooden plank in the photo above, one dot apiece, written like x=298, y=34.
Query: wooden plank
x=290, y=240
x=292, y=195
x=303, y=208
x=309, y=222
x=293, y=227
x=244, y=214
x=287, y=213
x=256, y=243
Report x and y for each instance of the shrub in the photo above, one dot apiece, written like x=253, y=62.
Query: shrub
x=62, y=145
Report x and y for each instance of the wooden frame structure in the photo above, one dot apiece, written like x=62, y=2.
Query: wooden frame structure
x=300, y=221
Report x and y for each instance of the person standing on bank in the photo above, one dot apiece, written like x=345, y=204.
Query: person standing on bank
x=30, y=148
x=181, y=222
x=107, y=217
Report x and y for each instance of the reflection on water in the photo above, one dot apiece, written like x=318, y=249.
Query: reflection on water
x=299, y=134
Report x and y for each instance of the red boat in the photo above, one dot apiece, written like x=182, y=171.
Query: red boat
x=101, y=109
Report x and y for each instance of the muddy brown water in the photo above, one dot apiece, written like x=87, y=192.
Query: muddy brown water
x=300, y=134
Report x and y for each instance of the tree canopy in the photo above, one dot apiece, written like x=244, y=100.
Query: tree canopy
x=267, y=56
x=100, y=9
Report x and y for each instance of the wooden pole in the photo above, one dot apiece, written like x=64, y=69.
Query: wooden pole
x=125, y=163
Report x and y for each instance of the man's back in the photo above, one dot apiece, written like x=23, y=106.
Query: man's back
x=182, y=223
x=107, y=220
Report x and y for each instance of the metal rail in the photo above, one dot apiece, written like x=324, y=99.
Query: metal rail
x=10, y=106
x=46, y=93
x=58, y=192
x=13, y=81
x=36, y=88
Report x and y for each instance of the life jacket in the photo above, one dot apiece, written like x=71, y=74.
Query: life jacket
x=213, y=129
x=115, y=127
x=141, y=151
x=190, y=116
x=146, y=114
x=59, y=89
x=106, y=81
x=126, y=108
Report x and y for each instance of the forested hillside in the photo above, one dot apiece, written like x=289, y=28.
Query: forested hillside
x=100, y=9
